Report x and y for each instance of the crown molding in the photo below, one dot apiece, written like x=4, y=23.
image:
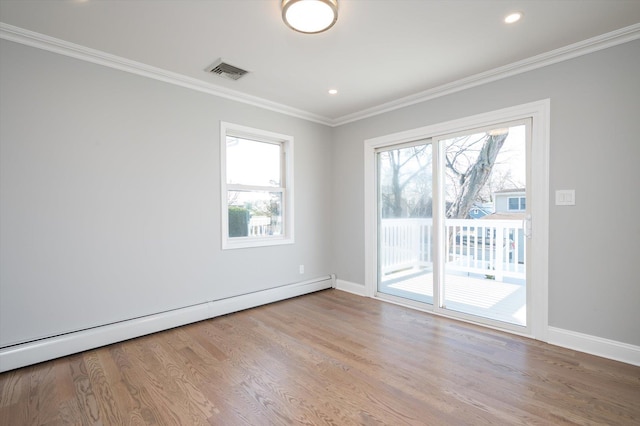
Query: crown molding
x=51, y=44
x=614, y=38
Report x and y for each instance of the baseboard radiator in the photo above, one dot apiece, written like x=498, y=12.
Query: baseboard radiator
x=29, y=353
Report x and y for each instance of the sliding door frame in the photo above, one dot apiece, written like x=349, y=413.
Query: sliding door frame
x=539, y=112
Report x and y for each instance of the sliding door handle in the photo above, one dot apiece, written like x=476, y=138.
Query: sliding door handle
x=526, y=225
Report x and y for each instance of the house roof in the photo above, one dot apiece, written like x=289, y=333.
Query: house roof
x=511, y=191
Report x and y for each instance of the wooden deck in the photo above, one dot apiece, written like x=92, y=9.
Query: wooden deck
x=328, y=358
x=487, y=298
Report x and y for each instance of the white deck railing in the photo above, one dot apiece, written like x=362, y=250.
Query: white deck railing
x=262, y=225
x=488, y=247
x=405, y=244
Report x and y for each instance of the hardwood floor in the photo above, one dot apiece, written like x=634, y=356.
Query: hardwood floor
x=328, y=358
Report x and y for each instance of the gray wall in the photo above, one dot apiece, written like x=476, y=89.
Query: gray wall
x=594, y=267
x=110, y=197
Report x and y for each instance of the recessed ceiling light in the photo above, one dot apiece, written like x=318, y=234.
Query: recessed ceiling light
x=513, y=17
x=333, y=92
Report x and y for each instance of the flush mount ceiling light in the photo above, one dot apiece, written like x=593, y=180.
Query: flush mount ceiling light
x=310, y=16
x=513, y=17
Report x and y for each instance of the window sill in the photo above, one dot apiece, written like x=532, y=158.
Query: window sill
x=241, y=242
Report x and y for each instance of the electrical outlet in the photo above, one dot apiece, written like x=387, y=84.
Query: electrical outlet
x=301, y=268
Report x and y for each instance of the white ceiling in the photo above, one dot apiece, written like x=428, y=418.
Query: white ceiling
x=378, y=52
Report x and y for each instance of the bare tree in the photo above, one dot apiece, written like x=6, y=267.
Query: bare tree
x=405, y=167
x=469, y=161
x=468, y=173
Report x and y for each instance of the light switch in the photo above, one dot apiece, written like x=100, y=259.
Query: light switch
x=565, y=197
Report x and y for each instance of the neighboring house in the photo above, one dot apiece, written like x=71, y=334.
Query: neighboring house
x=510, y=201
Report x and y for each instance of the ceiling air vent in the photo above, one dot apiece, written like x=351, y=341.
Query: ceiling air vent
x=226, y=70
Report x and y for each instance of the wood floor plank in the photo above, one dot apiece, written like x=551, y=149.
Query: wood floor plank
x=328, y=358
x=85, y=401
x=104, y=389
x=144, y=409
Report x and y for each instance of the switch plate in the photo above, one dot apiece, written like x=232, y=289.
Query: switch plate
x=565, y=197
x=301, y=269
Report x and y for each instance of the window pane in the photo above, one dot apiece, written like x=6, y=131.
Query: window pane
x=523, y=203
x=255, y=213
x=405, y=200
x=253, y=163
x=484, y=257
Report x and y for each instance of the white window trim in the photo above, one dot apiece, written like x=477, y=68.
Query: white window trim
x=287, y=236
x=540, y=114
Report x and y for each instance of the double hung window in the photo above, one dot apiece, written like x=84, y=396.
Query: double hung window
x=257, y=187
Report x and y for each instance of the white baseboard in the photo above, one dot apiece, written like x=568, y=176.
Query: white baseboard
x=593, y=345
x=54, y=347
x=351, y=287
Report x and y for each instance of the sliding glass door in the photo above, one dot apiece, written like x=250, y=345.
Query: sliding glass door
x=453, y=215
